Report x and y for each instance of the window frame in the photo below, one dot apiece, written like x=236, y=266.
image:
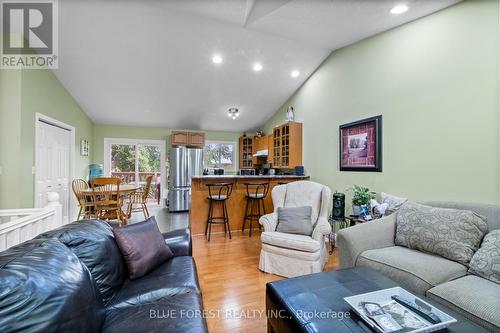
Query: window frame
x=235, y=154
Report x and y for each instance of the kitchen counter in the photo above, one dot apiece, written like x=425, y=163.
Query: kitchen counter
x=236, y=203
x=250, y=177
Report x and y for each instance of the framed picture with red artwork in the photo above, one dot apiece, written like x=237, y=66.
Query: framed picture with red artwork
x=361, y=145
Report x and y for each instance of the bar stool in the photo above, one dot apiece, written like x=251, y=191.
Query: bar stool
x=218, y=193
x=256, y=193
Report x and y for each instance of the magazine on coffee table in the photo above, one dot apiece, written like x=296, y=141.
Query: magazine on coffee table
x=397, y=310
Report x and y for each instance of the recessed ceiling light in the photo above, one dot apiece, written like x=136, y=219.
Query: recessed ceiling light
x=257, y=67
x=217, y=59
x=399, y=9
x=294, y=73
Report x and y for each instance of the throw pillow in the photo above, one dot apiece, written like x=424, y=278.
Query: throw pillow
x=393, y=202
x=451, y=233
x=295, y=220
x=486, y=261
x=142, y=246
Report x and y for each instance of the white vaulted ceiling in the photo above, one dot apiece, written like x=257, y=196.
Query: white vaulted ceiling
x=148, y=63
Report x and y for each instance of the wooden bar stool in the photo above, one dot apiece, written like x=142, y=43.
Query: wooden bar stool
x=256, y=193
x=218, y=193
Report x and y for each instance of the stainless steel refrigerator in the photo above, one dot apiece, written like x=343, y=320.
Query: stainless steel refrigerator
x=184, y=163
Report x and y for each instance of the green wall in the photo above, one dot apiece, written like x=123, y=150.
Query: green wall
x=10, y=138
x=31, y=91
x=145, y=133
x=436, y=83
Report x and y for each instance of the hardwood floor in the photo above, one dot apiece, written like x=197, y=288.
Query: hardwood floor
x=233, y=287
x=231, y=282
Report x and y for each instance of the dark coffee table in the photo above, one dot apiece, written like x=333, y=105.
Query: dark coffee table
x=315, y=303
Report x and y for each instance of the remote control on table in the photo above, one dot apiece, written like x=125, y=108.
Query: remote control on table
x=424, y=313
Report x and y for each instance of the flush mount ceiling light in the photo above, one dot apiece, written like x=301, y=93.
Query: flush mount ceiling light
x=257, y=67
x=399, y=9
x=295, y=73
x=233, y=113
x=217, y=59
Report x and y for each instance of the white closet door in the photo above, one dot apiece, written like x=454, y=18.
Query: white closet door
x=53, y=165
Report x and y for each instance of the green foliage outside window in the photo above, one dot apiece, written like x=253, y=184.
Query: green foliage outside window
x=219, y=155
x=123, y=158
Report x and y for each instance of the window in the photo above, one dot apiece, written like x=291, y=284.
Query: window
x=220, y=155
x=134, y=160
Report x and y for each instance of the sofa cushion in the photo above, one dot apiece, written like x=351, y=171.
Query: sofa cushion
x=414, y=270
x=451, y=233
x=45, y=288
x=304, y=193
x=393, y=202
x=474, y=297
x=173, y=313
x=295, y=220
x=175, y=276
x=142, y=246
x=94, y=244
x=290, y=241
x=486, y=261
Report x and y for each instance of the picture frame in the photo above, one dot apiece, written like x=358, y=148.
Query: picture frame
x=360, y=145
x=84, y=147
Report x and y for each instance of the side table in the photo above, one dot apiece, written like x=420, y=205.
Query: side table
x=336, y=226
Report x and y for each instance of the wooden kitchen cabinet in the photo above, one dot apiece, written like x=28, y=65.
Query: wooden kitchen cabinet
x=270, y=147
x=246, y=152
x=260, y=143
x=196, y=139
x=287, y=145
x=179, y=138
x=190, y=139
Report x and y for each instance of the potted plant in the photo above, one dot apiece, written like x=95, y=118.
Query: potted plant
x=361, y=197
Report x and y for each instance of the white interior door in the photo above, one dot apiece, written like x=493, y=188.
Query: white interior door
x=53, y=165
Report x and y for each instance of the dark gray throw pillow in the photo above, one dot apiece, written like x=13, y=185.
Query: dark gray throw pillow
x=142, y=246
x=454, y=234
x=295, y=220
x=486, y=261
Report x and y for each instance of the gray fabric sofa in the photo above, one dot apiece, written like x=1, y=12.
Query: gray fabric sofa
x=372, y=245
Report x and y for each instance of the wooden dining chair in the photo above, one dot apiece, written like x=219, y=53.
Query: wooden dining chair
x=85, y=201
x=140, y=198
x=107, y=199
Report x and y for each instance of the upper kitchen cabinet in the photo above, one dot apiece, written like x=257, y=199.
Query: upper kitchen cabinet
x=287, y=145
x=196, y=139
x=246, y=152
x=260, y=150
x=270, y=148
x=190, y=139
x=179, y=138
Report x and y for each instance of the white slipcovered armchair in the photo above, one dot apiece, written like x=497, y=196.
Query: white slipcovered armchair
x=292, y=255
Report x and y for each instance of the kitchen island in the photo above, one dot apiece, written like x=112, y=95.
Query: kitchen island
x=235, y=205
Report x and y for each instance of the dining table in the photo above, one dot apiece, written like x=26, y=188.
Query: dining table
x=123, y=191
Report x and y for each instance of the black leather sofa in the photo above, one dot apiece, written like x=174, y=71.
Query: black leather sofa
x=73, y=279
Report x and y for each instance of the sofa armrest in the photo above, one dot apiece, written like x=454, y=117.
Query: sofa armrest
x=179, y=241
x=321, y=229
x=269, y=221
x=355, y=240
